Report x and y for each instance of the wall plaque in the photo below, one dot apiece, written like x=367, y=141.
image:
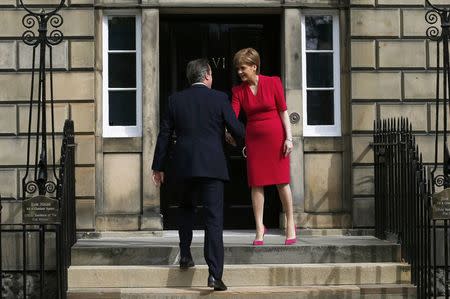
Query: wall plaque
x=40, y=210
x=440, y=206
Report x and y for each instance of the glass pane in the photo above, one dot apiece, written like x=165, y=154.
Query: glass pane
x=319, y=69
x=122, y=108
x=320, y=107
x=122, y=70
x=122, y=33
x=319, y=32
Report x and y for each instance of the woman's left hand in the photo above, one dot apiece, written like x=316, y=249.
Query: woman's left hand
x=287, y=148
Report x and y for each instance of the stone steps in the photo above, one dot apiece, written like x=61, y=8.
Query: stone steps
x=163, y=250
x=308, y=292
x=323, y=264
x=240, y=275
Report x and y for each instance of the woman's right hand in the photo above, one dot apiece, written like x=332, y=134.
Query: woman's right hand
x=287, y=148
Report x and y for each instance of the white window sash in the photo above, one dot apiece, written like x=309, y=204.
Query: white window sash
x=320, y=130
x=122, y=131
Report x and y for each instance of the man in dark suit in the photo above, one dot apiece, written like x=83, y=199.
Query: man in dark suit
x=199, y=116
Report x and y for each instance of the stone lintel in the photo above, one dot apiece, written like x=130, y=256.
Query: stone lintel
x=221, y=3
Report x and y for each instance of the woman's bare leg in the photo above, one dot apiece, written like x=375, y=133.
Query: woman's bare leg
x=258, y=210
x=284, y=190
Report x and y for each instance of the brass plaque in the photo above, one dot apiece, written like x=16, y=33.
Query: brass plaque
x=40, y=210
x=440, y=206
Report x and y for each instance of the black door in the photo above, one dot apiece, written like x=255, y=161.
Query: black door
x=183, y=38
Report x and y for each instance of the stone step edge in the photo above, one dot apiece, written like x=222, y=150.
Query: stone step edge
x=89, y=235
x=267, y=246
x=239, y=275
x=387, y=288
x=246, y=266
x=356, y=289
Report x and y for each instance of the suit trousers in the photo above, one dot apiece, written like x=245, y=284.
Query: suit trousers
x=210, y=192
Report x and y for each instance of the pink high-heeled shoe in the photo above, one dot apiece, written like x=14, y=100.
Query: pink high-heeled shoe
x=260, y=242
x=292, y=240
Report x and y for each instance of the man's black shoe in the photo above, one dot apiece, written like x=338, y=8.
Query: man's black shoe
x=186, y=262
x=217, y=284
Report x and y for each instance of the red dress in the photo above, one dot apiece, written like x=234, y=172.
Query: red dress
x=265, y=133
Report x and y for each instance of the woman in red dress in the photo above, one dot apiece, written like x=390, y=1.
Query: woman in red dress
x=268, y=138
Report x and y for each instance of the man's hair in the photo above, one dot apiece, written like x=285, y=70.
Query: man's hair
x=196, y=70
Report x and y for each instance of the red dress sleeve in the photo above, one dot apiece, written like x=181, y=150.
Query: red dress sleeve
x=280, y=101
x=236, y=100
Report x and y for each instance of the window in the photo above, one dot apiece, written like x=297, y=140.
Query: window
x=321, y=75
x=122, y=94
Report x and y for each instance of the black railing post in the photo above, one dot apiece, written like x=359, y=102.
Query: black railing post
x=46, y=24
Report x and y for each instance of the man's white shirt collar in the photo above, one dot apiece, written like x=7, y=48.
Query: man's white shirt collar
x=198, y=83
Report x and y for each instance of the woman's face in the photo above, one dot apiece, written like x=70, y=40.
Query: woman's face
x=246, y=71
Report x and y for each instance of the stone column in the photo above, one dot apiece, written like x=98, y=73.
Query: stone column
x=151, y=219
x=292, y=73
x=99, y=113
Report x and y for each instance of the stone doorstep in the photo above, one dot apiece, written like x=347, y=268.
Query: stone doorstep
x=133, y=254
x=239, y=275
x=345, y=291
x=159, y=233
x=164, y=250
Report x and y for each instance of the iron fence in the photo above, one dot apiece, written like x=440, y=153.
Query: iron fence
x=34, y=277
x=404, y=187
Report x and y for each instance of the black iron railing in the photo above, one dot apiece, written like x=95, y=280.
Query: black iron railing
x=68, y=209
x=47, y=201
x=34, y=277
x=404, y=188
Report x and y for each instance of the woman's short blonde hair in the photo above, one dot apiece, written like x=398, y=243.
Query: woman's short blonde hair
x=248, y=56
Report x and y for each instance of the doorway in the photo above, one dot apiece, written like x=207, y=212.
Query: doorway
x=183, y=38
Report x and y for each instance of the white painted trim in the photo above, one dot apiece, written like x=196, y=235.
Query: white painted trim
x=323, y=131
x=122, y=131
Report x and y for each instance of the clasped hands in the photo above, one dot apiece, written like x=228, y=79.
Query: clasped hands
x=287, y=146
x=229, y=139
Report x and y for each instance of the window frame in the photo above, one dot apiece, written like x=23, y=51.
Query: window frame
x=323, y=130
x=122, y=131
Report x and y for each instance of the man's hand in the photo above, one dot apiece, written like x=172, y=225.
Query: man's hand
x=158, y=178
x=229, y=139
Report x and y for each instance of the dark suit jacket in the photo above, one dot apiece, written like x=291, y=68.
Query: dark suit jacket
x=198, y=115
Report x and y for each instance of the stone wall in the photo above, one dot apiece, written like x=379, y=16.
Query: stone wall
x=392, y=76
x=73, y=61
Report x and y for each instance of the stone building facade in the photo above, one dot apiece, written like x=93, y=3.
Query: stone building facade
x=374, y=54
x=392, y=74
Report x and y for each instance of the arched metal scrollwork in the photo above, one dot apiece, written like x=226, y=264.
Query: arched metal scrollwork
x=433, y=32
x=43, y=19
x=440, y=180
x=439, y=32
x=42, y=33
